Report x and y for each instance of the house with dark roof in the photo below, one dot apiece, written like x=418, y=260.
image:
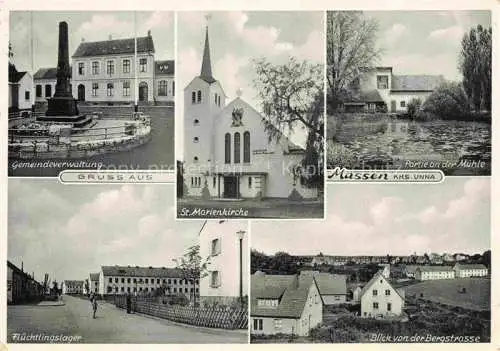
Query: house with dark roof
x=227, y=148
x=284, y=304
x=380, y=299
x=332, y=287
x=434, y=272
x=21, y=286
x=104, y=71
x=470, y=270
x=145, y=280
x=379, y=89
x=20, y=90
x=45, y=80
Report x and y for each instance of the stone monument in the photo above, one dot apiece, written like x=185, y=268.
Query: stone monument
x=62, y=107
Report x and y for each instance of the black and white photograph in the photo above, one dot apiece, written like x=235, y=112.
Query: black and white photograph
x=110, y=264
x=409, y=90
x=251, y=126
x=406, y=263
x=90, y=90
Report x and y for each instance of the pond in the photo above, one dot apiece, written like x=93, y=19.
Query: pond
x=383, y=142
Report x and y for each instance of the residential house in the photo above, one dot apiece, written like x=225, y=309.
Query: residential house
x=410, y=270
x=72, y=287
x=284, y=304
x=379, y=89
x=164, y=81
x=332, y=287
x=20, y=90
x=225, y=244
x=434, y=272
x=226, y=147
x=380, y=299
x=145, y=280
x=94, y=284
x=45, y=80
x=470, y=270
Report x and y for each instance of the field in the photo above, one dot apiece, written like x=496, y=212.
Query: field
x=476, y=297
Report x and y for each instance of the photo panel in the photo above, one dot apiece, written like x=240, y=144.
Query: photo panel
x=110, y=264
x=252, y=116
x=410, y=90
x=407, y=263
x=90, y=90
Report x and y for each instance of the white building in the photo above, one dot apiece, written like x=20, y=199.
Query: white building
x=470, y=270
x=104, y=71
x=226, y=149
x=380, y=299
x=72, y=287
x=94, y=284
x=379, y=87
x=20, y=90
x=225, y=244
x=434, y=272
x=145, y=280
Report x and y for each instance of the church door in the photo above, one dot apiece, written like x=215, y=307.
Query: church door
x=230, y=187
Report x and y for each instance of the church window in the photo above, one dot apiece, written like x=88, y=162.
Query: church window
x=195, y=159
x=249, y=182
x=196, y=122
x=173, y=88
x=193, y=97
x=214, y=181
x=237, y=149
x=195, y=140
x=227, y=148
x=218, y=100
x=199, y=96
x=246, y=147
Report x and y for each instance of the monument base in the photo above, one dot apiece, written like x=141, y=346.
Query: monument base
x=78, y=121
x=62, y=106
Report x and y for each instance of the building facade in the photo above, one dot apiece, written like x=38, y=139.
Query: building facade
x=44, y=81
x=227, y=153
x=380, y=299
x=73, y=287
x=104, y=72
x=21, y=287
x=434, y=272
x=20, y=90
x=225, y=244
x=145, y=281
x=332, y=287
x=380, y=90
x=470, y=270
x=94, y=284
x=284, y=304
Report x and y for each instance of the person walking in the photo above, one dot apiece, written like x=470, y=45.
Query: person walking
x=93, y=302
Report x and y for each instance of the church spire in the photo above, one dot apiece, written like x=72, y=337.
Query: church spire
x=206, y=64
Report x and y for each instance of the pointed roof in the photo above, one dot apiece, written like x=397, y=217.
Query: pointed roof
x=372, y=281
x=206, y=64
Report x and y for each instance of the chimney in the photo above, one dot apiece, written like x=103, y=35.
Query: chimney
x=149, y=33
x=110, y=37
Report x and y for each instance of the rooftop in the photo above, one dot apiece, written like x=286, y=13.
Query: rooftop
x=416, y=82
x=115, y=47
x=165, y=67
x=136, y=271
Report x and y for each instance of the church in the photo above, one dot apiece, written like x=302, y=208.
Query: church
x=227, y=152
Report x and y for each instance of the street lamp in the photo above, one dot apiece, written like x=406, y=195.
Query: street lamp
x=240, y=234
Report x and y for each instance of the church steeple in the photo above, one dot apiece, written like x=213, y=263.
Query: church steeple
x=206, y=64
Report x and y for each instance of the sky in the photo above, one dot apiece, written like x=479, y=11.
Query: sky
x=235, y=39
x=425, y=42
x=381, y=219
x=92, y=26
x=70, y=231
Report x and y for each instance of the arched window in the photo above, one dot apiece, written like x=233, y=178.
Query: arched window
x=199, y=95
x=227, y=148
x=249, y=182
x=193, y=97
x=216, y=98
x=237, y=149
x=246, y=147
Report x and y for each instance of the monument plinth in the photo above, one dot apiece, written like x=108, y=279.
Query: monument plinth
x=62, y=107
